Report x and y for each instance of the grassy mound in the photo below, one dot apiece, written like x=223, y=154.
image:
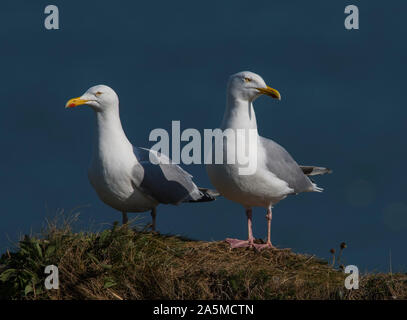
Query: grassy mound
x=123, y=263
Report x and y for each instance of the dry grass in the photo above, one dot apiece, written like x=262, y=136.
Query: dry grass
x=122, y=263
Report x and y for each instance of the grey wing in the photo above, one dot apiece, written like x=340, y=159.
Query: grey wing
x=164, y=181
x=280, y=162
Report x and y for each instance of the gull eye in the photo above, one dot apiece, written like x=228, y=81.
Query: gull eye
x=247, y=79
x=98, y=93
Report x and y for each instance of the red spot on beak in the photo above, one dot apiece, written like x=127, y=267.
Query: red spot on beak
x=71, y=105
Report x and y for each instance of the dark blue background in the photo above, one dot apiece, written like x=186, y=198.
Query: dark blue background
x=343, y=106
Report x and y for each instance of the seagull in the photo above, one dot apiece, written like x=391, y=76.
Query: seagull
x=276, y=175
x=128, y=178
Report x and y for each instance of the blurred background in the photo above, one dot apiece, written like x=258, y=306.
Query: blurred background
x=343, y=107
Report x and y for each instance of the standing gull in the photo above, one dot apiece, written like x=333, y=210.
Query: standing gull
x=123, y=176
x=276, y=174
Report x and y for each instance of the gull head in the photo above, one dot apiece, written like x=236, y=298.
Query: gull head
x=248, y=86
x=100, y=98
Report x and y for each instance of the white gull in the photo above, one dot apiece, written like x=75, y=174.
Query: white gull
x=277, y=175
x=123, y=175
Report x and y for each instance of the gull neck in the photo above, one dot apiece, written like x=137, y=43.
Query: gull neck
x=239, y=114
x=110, y=136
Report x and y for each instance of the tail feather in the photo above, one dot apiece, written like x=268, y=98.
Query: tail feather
x=206, y=195
x=314, y=171
x=316, y=188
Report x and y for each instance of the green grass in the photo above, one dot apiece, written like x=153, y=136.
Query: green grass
x=123, y=263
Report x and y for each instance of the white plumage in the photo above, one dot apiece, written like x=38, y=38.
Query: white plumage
x=277, y=175
x=122, y=175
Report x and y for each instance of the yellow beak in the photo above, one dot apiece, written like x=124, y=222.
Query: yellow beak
x=270, y=92
x=75, y=102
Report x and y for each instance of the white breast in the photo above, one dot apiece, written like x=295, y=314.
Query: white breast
x=113, y=182
x=261, y=188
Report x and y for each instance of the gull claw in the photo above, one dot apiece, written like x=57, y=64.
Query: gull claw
x=237, y=243
x=267, y=245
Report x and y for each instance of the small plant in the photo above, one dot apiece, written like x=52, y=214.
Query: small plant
x=332, y=251
x=24, y=270
x=342, y=246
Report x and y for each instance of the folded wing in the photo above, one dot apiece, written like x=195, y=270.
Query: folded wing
x=280, y=162
x=163, y=180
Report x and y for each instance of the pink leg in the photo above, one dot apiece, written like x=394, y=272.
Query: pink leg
x=268, y=243
x=236, y=243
